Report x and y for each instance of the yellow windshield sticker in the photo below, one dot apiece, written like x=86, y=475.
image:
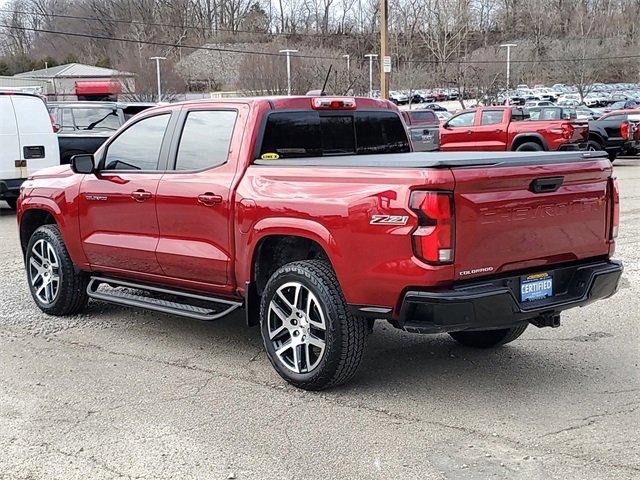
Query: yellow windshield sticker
x=269, y=156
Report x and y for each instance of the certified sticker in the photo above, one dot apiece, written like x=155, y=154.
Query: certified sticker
x=269, y=156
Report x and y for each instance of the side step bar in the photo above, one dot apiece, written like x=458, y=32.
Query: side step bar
x=189, y=305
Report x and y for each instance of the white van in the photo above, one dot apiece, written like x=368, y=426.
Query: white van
x=27, y=141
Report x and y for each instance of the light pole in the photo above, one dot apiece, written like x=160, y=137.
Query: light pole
x=371, y=56
x=508, y=47
x=288, y=52
x=157, y=59
x=348, y=67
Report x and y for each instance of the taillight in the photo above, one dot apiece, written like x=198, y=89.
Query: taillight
x=333, y=103
x=567, y=131
x=434, y=237
x=55, y=127
x=624, y=130
x=615, y=207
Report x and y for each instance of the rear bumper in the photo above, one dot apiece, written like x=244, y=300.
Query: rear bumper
x=10, y=188
x=495, y=303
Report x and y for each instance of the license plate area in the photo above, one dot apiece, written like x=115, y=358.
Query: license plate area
x=536, y=286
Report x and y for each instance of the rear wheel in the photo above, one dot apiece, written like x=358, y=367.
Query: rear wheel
x=488, y=338
x=594, y=146
x=55, y=284
x=311, y=338
x=529, y=147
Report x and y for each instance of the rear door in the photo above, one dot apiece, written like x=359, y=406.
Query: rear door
x=457, y=133
x=490, y=132
x=38, y=142
x=503, y=224
x=194, y=196
x=9, y=143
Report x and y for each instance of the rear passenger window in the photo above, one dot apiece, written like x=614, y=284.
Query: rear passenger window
x=205, y=139
x=491, y=117
x=138, y=147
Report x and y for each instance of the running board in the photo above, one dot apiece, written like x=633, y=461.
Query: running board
x=189, y=305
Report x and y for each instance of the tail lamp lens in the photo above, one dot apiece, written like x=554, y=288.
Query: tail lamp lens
x=624, y=130
x=567, y=131
x=434, y=237
x=615, y=214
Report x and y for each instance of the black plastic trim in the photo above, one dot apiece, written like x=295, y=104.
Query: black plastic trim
x=494, y=303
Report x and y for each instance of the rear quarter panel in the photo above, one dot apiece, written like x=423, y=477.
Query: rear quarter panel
x=334, y=206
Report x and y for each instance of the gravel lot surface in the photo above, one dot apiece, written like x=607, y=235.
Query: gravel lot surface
x=121, y=393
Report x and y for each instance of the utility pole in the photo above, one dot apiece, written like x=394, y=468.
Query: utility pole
x=384, y=50
x=288, y=52
x=157, y=59
x=371, y=56
x=348, y=68
x=508, y=47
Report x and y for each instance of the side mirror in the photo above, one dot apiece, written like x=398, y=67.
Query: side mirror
x=83, y=163
x=446, y=126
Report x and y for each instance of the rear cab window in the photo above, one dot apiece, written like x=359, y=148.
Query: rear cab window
x=300, y=134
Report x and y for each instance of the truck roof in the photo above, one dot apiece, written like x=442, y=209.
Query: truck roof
x=280, y=102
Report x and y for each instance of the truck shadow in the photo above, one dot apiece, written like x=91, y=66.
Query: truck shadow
x=395, y=362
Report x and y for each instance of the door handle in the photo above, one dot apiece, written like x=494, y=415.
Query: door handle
x=141, y=195
x=498, y=130
x=469, y=131
x=209, y=199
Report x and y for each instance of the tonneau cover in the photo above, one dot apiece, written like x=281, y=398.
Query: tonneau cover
x=438, y=159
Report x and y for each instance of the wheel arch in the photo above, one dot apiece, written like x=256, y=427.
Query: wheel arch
x=277, y=246
x=32, y=219
x=529, y=137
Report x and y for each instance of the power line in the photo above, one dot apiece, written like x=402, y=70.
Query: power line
x=170, y=25
x=163, y=44
x=277, y=54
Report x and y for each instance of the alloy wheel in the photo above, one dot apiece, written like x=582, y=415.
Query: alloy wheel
x=44, y=271
x=297, y=327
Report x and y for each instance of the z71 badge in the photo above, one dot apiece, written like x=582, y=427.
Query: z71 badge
x=389, y=220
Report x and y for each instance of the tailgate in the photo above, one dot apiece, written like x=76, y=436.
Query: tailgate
x=502, y=224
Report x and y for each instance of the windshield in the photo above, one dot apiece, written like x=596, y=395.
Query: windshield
x=96, y=119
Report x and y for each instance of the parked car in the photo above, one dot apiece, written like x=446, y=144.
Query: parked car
x=423, y=126
x=503, y=128
x=617, y=133
x=83, y=126
x=443, y=115
x=538, y=103
x=27, y=141
x=622, y=105
x=399, y=98
x=433, y=106
x=307, y=213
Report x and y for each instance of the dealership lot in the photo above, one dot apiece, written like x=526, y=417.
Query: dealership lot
x=117, y=392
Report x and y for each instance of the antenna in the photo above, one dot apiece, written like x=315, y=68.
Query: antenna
x=326, y=80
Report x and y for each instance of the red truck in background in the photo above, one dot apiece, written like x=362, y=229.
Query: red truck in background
x=311, y=214
x=510, y=129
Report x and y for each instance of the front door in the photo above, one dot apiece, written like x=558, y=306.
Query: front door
x=194, y=196
x=456, y=134
x=117, y=205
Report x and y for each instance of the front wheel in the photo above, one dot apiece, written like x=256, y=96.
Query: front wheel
x=311, y=338
x=488, y=338
x=55, y=284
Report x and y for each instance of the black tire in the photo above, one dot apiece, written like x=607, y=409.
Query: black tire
x=488, y=338
x=344, y=334
x=12, y=202
x=71, y=296
x=594, y=146
x=529, y=147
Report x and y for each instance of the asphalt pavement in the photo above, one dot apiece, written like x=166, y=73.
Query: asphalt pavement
x=122, y=393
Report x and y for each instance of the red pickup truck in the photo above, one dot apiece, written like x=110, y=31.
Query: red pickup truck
x=311, y=214
x=509, y=128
